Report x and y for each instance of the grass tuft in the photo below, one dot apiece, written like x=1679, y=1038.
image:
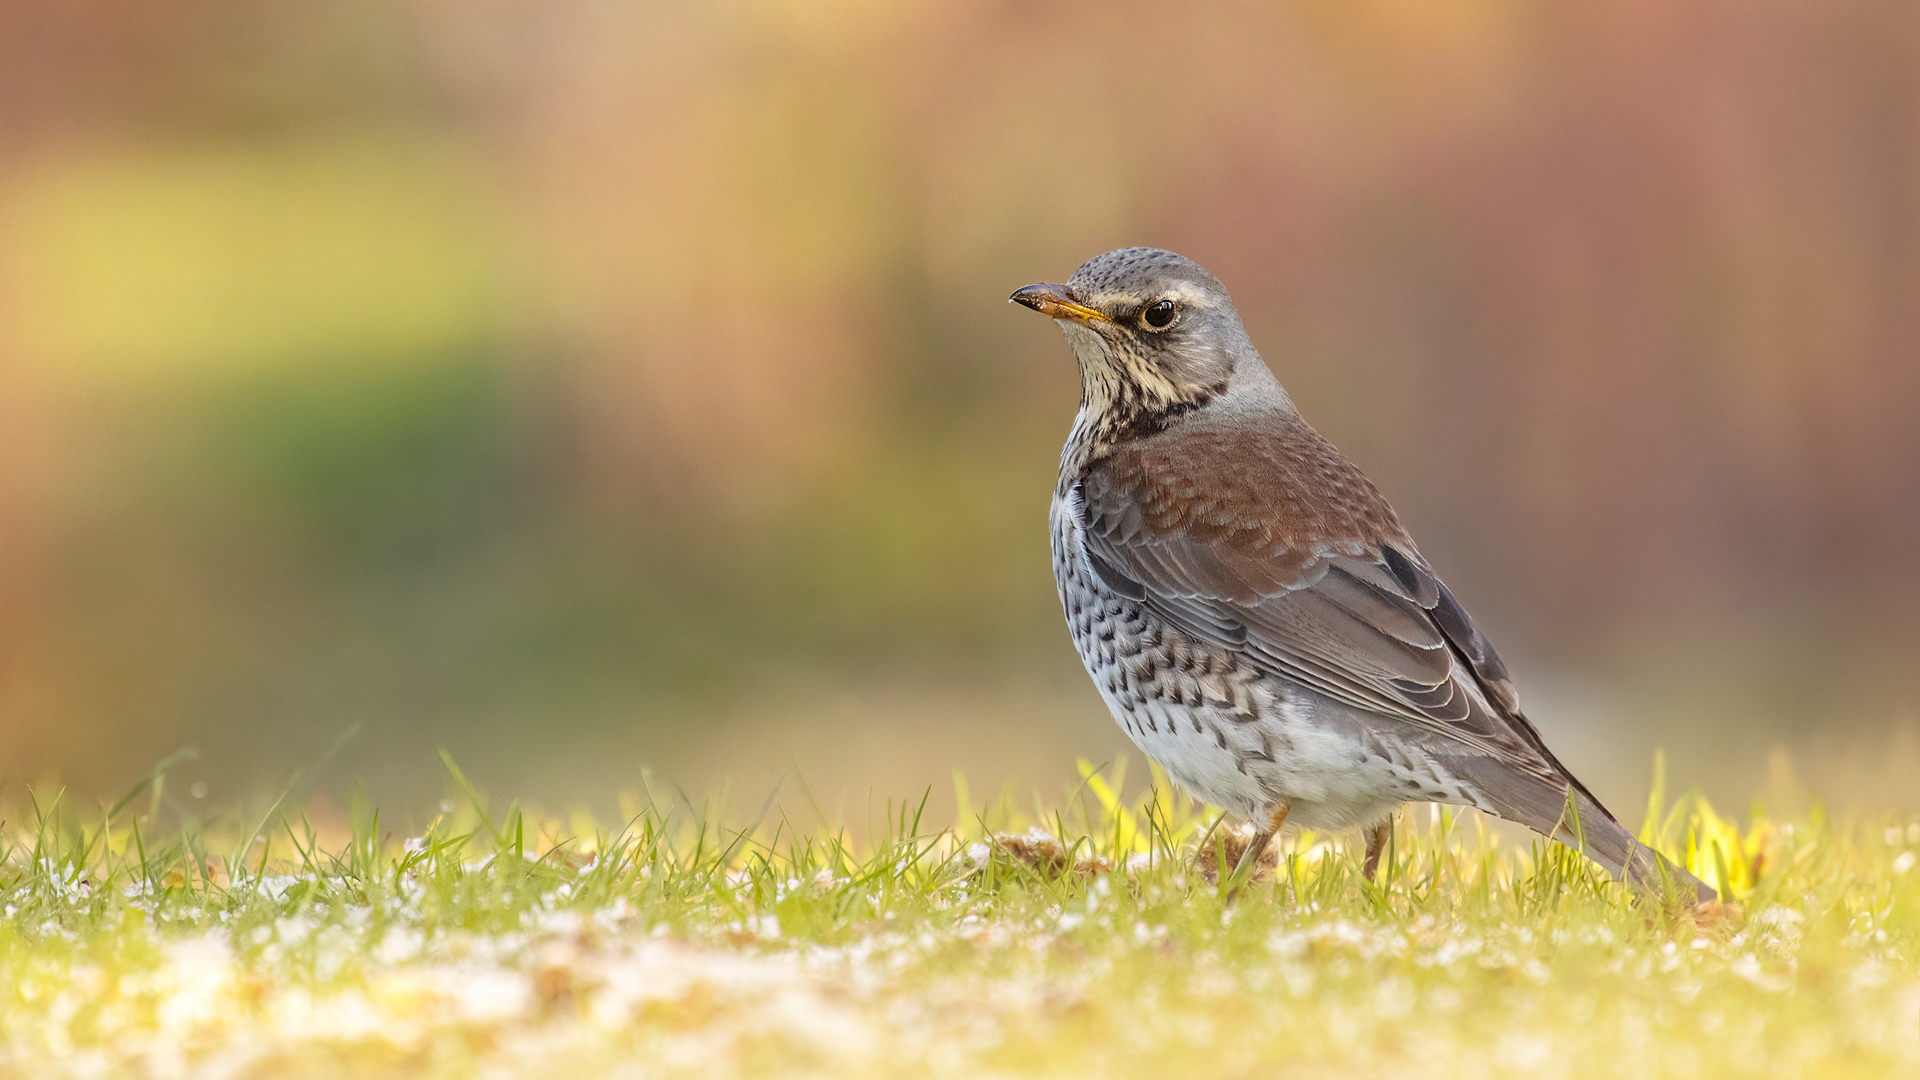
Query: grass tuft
x=1085, y=938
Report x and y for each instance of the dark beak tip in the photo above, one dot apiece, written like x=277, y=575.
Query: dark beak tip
x=1033, y=296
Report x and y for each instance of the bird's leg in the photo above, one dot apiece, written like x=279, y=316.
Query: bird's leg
x=1376, y=843
x=1244, y=870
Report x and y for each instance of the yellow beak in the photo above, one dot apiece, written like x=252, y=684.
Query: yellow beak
x=1052, y=300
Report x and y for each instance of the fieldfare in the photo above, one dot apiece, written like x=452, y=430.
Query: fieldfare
x=1250, y=607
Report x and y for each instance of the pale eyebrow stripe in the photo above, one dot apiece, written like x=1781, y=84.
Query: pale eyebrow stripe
x=1190, y=296
x=1181, y=292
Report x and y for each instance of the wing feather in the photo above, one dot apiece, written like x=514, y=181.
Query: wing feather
x=1360, y=618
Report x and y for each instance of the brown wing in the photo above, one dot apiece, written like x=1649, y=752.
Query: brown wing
x=1274, y=545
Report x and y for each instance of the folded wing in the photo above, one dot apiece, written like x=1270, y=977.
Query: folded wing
x=1294, y=560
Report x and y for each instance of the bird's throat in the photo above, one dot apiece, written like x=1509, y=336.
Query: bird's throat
x=1115, y=410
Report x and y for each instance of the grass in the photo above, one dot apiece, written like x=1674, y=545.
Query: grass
x=1085, y=940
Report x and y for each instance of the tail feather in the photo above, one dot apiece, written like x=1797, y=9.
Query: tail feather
x=1608, y=843
x=1574, y=818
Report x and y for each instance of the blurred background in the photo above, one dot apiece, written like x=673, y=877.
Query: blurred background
x=613, y=386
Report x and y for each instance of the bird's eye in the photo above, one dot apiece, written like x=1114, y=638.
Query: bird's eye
x=1158, y=315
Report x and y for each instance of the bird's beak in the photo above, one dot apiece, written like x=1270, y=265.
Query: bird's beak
x=1052, y=300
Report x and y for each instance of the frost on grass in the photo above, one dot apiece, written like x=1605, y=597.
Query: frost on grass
x=1095, y=944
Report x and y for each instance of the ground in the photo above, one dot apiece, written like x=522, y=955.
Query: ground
x=1091, y=940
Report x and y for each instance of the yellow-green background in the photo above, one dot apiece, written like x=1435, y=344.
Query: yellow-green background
x=600, y=386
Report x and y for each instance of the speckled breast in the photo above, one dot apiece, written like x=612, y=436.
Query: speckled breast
x=1200, y=712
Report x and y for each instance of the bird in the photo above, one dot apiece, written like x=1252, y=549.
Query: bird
x=1252, y=610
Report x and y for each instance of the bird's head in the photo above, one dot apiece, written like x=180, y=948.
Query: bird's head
x=1153, y=332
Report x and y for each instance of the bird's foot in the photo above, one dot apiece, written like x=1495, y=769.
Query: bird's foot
x=1247, y=868
x=1377, y=839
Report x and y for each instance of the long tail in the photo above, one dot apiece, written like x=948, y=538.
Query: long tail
x=1575, y=818
x=1608, y=843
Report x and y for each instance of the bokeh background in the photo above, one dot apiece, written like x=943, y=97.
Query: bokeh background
x=613, y=386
